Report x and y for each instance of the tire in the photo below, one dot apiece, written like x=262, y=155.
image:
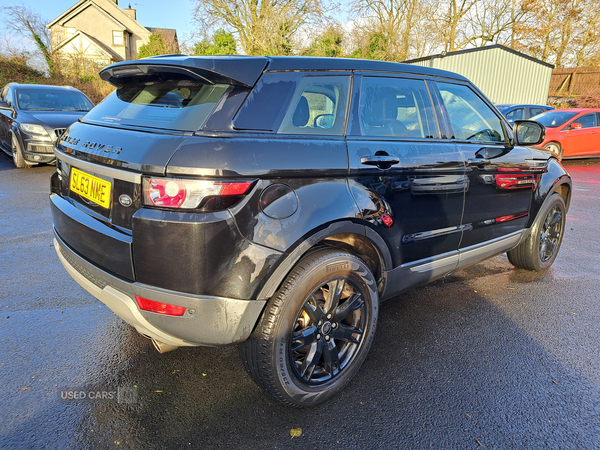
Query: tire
x=309, y=344
x=17, y=154
x=555, y=148
x=539, y=250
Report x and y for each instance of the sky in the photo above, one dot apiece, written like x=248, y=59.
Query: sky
x=175, y=14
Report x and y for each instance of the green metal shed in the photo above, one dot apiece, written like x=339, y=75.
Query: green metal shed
x=505, y=75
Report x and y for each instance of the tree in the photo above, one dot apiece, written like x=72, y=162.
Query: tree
x=376, y=47
x=222, y=44
x=497, y=21
x=391, y=20
x=262, y=27
x=158, y=44
x=449, y=17
x=26, y=22
x=328, y=43
x=587, y=40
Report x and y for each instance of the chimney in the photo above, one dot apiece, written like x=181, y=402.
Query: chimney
x=131, y=12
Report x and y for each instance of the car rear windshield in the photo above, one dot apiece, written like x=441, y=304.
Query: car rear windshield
x=52, y=100
x=553, y=119
x=164, y=101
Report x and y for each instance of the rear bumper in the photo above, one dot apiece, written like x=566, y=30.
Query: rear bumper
x=209, y=320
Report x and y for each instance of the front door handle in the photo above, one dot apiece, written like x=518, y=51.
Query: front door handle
x=479, y=162
x=379, y=160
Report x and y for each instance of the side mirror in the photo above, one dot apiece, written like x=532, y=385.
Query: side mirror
x=4, y=105
x=576, y=126
x=528, y=132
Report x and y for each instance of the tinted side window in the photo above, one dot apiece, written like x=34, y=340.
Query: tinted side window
x=587, y=121
x=515, y=114
x=535, y=111
x=318, y=107
x=396, y=107
x=470, y=117
x=267, y=103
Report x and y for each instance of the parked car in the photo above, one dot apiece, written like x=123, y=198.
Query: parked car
x=571, y=133
x=32, y=118
x=521, y=112
x=280, y=199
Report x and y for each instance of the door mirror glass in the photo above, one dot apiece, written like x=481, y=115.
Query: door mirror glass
x=576, y=126
x=4, y=105
x=528, y=132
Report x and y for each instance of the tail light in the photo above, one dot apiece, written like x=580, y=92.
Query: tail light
x=192, y=194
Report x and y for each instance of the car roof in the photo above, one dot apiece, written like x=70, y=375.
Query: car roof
x=578, y=110
x=522, y=105
x=247, y=69
x=45, y=87
x=316, y=63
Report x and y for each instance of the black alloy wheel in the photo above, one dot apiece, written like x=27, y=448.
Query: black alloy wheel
x=316, y=331
x=540, y=249
x=551, y=234
x=328, y=331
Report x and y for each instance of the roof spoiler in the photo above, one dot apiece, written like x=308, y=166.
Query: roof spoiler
x=236, y=70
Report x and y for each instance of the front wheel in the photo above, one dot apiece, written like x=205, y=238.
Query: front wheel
x=316, y=331
x=17, y=154
x=539, y=250
x=555, y=148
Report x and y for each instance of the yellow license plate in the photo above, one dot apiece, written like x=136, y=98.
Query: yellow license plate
x=93, y=188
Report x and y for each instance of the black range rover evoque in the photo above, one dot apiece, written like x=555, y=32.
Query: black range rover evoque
x=275, y=201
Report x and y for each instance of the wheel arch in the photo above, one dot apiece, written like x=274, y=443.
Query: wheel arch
x=14, y=131
x=554, y=180
x=350, y=236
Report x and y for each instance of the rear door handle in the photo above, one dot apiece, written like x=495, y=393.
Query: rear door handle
x=379, y=160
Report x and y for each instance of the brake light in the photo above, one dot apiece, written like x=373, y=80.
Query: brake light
x=188, y=194
x=158, y=307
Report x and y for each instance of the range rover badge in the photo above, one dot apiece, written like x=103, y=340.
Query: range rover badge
x=125, y=200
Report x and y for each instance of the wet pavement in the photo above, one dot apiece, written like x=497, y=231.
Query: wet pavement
x=492, y=357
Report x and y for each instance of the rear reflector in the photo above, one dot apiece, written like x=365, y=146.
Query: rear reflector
x=158, y=307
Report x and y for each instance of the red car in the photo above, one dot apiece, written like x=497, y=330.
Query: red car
x=571, y=132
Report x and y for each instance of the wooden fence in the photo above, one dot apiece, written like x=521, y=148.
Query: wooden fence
x=574, y=81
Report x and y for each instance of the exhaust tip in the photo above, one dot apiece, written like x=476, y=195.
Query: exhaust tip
x=161, y=347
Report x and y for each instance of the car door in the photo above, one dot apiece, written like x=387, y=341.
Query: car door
x=584, y=140
x=408, y=182
x=500, y=180
x=5, y=120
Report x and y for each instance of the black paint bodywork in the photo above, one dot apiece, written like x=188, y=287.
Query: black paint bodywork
x=307, y=191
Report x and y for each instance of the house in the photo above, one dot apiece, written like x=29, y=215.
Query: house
x=100, y=31
x=504, y=75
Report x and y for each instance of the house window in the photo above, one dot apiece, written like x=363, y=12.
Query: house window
x=70, y=32
x=117, y=38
